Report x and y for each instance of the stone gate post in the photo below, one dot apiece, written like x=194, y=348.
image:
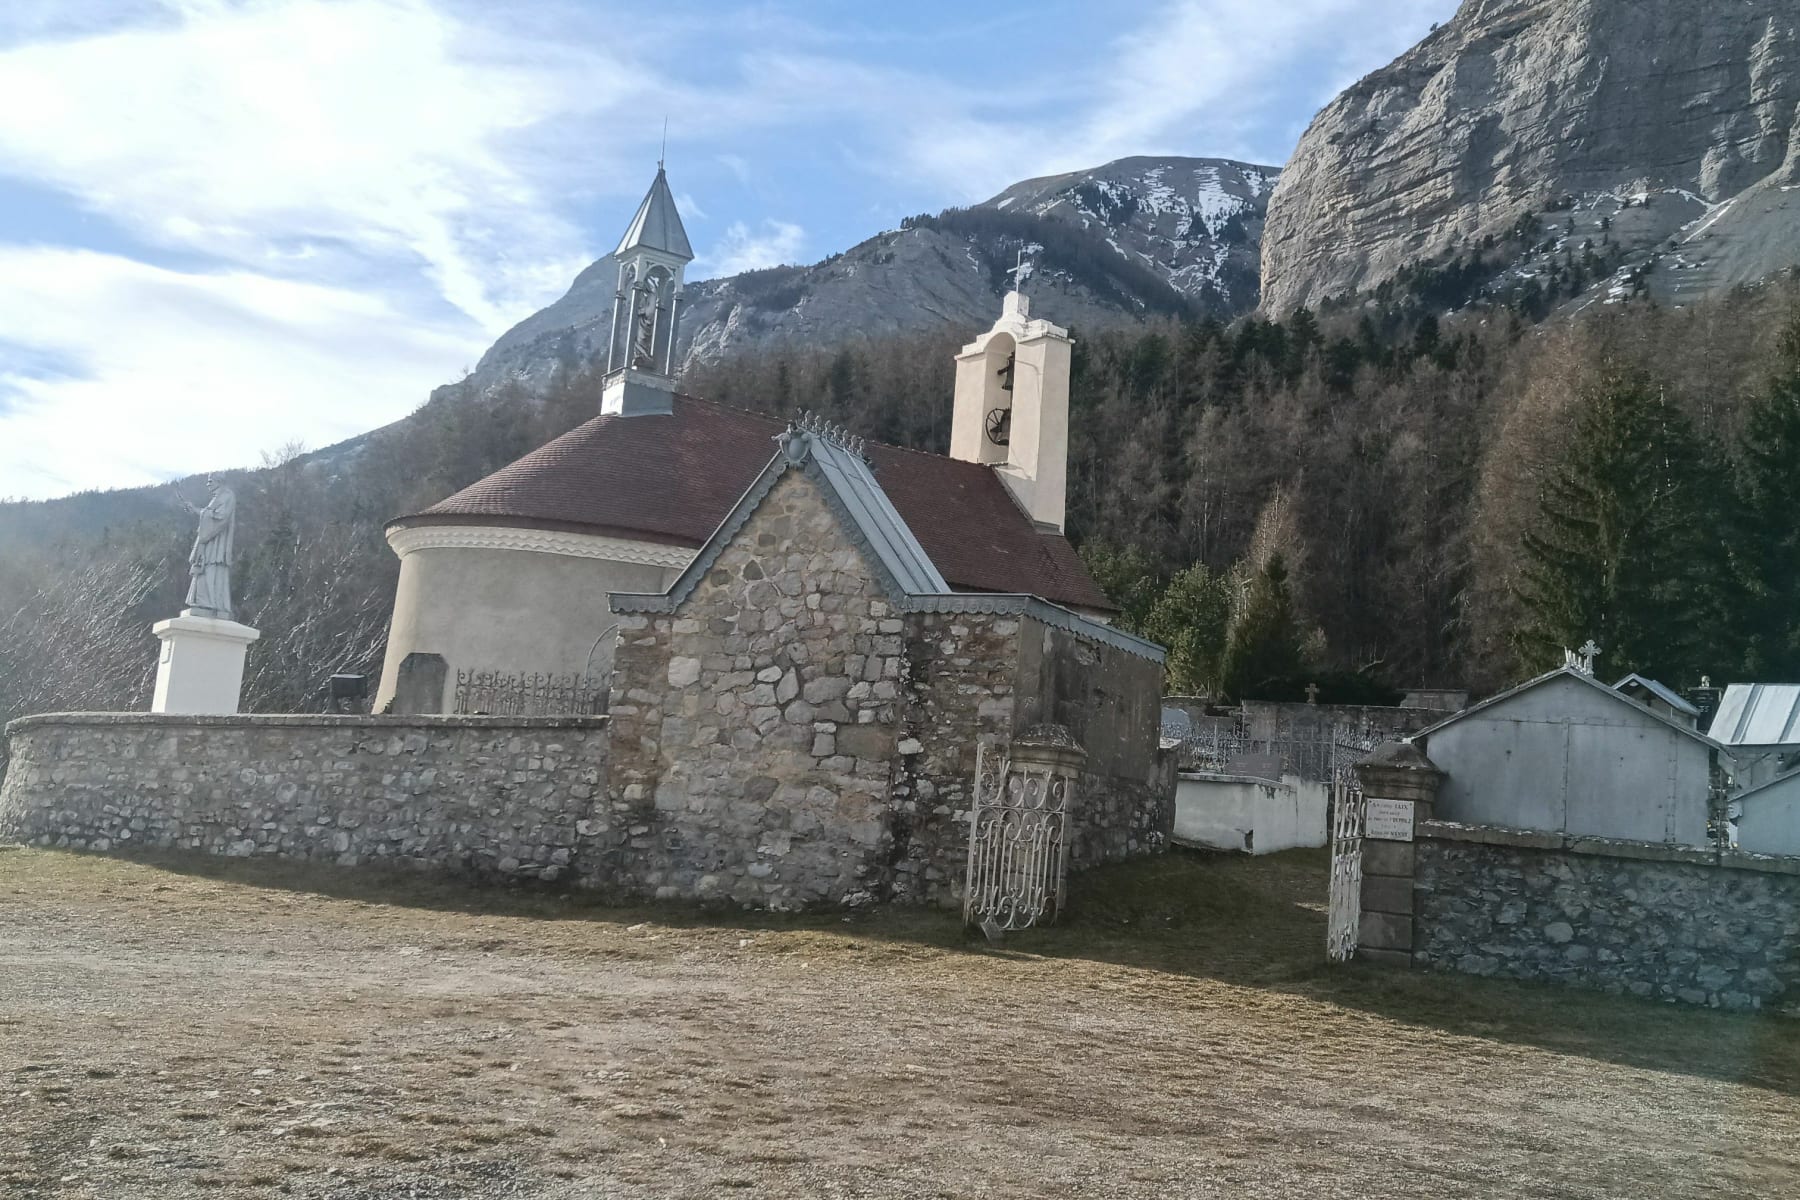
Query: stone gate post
x=1400, y=787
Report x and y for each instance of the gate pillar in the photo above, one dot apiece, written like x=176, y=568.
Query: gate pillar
x=1400, y=787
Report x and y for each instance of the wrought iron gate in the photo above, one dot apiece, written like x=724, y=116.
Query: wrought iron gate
x=1349, y=812
x=1019, y=831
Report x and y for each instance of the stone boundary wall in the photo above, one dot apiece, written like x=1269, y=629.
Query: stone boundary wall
x=484, y=796
x=1717, y=928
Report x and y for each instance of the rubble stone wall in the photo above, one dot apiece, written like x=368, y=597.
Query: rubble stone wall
x=485, y=796
x=756, y=726
x=1658, y=922
x=960, y=687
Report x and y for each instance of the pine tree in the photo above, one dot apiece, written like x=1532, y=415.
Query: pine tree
x=1190, y=618
x=1769, y=543
x=1626, y=544
x=1264, y=643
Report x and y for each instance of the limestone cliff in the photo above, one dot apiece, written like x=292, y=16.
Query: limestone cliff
x=1670, y=128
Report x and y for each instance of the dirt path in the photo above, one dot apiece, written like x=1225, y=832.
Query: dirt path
x=176, y=1034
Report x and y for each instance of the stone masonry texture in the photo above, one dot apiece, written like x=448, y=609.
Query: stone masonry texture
x=1726, y=936
x=787, y=738
x=483, y=796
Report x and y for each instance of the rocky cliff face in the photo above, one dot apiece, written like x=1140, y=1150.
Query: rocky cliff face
x=1196, y=221
x=1135, y=238
x=1667, y=129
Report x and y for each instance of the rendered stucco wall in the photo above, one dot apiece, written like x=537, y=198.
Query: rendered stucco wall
x=1256, y=816
x=504, y=610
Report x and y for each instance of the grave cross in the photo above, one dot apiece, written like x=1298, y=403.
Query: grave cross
x=1584, y=657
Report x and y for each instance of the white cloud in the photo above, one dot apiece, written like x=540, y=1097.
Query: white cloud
x=182, y=371
x=773, y=244
x=261, y=131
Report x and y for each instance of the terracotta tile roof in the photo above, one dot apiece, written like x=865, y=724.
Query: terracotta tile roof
x=673, y=478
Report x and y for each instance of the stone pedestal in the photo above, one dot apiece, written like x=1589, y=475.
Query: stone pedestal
x=201, y=667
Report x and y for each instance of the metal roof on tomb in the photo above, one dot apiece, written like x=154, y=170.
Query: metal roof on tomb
x=1758, y=714
x=673, y=478
x=1661, y=691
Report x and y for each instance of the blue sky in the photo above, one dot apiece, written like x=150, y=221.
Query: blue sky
x=230, y=226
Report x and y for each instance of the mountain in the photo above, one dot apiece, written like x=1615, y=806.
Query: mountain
x=1661, y=137
x=1197, y=221
x=1134, y=238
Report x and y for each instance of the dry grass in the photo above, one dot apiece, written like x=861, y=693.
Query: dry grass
x=234, y=1029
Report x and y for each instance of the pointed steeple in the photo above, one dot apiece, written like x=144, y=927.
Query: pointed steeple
x=657, y=225
x=640, y=351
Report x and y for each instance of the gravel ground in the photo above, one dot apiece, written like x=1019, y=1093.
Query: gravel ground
x=213, y=1029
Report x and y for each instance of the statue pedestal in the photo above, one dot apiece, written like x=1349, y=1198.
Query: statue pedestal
x=201, y=669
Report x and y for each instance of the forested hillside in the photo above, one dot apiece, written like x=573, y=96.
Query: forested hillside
x=1427, y=503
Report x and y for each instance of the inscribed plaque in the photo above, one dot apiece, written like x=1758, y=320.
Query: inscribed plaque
x=1389, y=820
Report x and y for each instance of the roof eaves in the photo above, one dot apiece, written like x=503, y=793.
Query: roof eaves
x=1662, y=691
x=1571, y=673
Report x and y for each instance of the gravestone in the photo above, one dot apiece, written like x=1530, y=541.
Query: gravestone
x=419, y=685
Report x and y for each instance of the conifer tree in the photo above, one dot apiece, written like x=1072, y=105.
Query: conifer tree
x=1264, y=644
x=1769, y=543
x=1625, y=545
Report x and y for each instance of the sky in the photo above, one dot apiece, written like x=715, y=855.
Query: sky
x=229, y=227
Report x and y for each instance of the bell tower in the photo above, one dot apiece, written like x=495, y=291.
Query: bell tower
x=640, y=354
x=1012, y=408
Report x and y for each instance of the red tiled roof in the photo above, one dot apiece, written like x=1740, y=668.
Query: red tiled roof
x=673, y=478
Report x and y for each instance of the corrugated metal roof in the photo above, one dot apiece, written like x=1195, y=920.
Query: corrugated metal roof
x=1661, y=691
x=1758, y=714
x=657, y=225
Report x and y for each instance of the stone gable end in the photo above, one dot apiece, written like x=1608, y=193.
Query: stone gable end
x=755, y=727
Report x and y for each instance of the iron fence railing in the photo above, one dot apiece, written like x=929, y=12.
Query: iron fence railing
x=502, y=694
x=1315, y=752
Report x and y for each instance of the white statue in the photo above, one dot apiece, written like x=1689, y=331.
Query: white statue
x=209, y=562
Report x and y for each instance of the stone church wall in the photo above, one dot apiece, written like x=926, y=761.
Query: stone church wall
x=485, y=796
x=786, y=738
x=755, y=728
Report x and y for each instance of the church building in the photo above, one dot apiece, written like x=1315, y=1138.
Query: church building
x=806, y=639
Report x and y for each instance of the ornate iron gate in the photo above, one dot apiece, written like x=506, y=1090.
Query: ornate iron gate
x=1349, y=811
x=1019, y=831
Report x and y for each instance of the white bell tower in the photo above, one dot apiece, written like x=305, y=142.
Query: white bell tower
x=1012, y=408
x=640, y=355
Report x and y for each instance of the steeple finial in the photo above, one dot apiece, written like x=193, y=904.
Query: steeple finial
x=663, y=154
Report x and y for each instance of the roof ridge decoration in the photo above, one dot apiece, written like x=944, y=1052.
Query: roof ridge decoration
x=812, y=423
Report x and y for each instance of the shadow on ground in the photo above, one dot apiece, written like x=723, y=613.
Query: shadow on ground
x=1256, y=923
